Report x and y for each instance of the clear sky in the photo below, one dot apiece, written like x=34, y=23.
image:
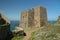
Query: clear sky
x=13, y=8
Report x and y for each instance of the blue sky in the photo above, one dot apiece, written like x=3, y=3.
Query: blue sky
x=13, y=8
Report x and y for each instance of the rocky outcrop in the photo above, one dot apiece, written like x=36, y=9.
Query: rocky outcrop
x=5, y=18
x=19, y=32
x=5, y=33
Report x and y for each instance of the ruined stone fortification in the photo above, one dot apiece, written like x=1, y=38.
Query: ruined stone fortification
x=58, y=21
x=35, y=17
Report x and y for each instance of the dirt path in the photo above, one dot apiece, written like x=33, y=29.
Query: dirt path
x=28, y=33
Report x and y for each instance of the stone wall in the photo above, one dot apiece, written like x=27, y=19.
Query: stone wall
x=31, y=18
x=26, y=18
x=35, y=17
x=40, y=16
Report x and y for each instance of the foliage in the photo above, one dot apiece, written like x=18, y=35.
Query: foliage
x=18, y=38
x=46, y=33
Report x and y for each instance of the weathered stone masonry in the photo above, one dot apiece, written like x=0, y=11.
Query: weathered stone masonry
x=35, y=17
x=27, y=18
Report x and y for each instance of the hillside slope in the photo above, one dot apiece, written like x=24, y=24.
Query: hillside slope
x=46, y=33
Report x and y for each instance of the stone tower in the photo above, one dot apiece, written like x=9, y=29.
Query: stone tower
x=27, y=18
x=35, y=17
x=40, y=16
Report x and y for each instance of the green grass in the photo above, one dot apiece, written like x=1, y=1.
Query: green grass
x=18, y=38
x=46, y=33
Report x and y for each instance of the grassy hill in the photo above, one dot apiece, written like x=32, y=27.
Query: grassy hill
x=46, y=33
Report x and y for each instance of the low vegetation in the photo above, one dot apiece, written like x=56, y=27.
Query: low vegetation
x=46, y=33
x=18, y=38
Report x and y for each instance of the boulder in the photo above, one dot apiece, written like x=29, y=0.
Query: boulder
x=19, y=32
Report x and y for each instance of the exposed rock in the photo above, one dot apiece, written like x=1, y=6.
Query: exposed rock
x=5, y=33
x=19, y=32
x=5, y=18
